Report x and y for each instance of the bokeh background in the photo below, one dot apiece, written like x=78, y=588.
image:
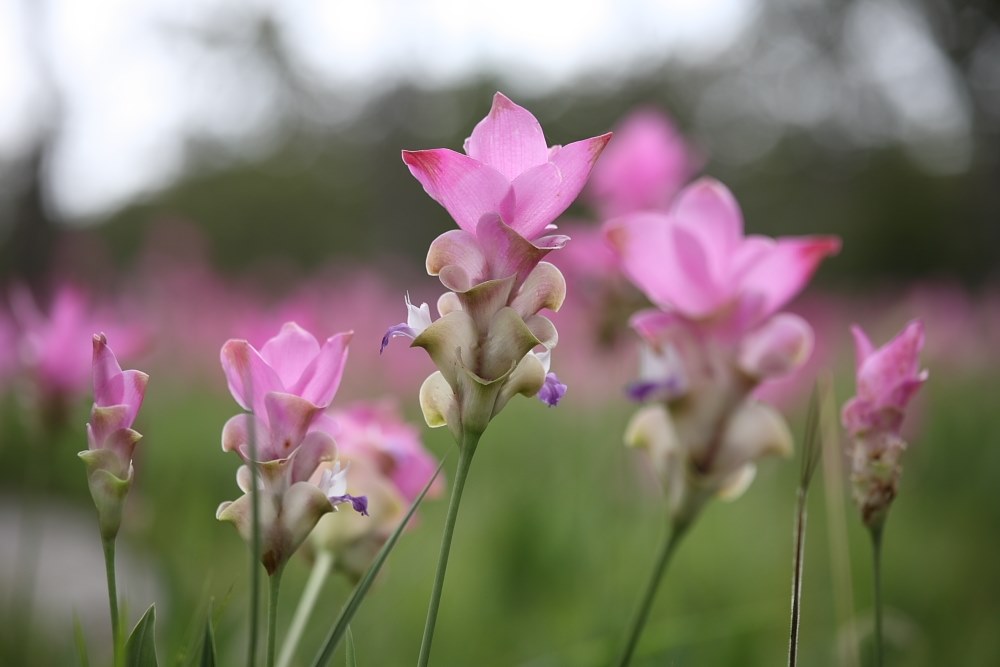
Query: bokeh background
x=184, y=172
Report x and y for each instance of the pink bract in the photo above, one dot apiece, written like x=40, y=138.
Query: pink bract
x=646, y=165
x=887, y=379
x=507, y=170
x=53, y=346
x=375, y=432
x=695, y=262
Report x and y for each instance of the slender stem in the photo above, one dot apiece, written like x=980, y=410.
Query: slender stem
x=320, y=571
x=254, y=545
x=116, y=630
x=876, y=532
x=642, y=613
x=468, y=448
x=273, y=586
x=800, y=541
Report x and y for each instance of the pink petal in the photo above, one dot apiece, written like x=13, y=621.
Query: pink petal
x=321, y=379
x=895, y=363
x=316, y=448
x=507, y=252
x=509, y=139
x=289, y=418
x=708, y=209
x=781, y=273
x=653, y=324
x=290, y=352
x=249, y=377
x=108, y=386
x=863, y=347
x=465, y=187
x=697, y=292
x=644, y=166
x=543, y=193
x=776, y=348
x=133, y=392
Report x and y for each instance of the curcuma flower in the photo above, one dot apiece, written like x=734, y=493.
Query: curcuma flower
x=111, y=439
x=714, y=336
x=504, y=194
x=286, y=385
x=887, y=378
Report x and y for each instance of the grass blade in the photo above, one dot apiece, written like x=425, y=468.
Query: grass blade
x=352, y=604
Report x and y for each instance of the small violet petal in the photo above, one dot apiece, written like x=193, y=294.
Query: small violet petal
x=358, y=503
x=401, y=329
x=552, y=390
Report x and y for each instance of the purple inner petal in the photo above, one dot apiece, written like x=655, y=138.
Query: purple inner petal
x=401, y=329
x=359, y=503
x=552, y=390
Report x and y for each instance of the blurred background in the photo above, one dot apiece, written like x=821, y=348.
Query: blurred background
x=177, y=173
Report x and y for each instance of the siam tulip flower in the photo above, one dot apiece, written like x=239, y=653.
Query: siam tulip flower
x=714, y=337
x=111, y=439
x=504, y=194
x=644, y=168
x=490, y=342
x=52, y=345
x=694, y=263
x=887, y=379
x=286, y=385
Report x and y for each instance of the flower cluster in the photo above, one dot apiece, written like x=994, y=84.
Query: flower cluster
x=887, y=378
x=286, y=386
x=490, y=341
x=390, y=463
x=714, y=336
x=111, y=439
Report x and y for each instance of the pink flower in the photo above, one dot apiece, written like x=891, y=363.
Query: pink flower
x=507, y=170
x=53, y=346
x=695, y=262
x=8, y=350
x=646, y=165
x=287, y=385
x=887, y=378
x=391, y=464
x=503, y=194
x=110, y=437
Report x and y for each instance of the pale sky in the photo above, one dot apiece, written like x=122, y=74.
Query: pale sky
x=131, y=83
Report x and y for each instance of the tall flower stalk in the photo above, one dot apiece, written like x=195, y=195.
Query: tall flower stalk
x=111, y=440
x=713, y=338
x=490, y=342
x=285, y=386
x=887, y=379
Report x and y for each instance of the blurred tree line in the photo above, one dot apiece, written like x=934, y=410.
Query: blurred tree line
x=322, y=191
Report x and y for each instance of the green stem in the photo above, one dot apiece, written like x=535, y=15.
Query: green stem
x=254, y=546
x=800, y=540
x=116, y=630
x=876, y=532
x=274, y=584
x=642, y=613
x=320, y=571
x=467, y=449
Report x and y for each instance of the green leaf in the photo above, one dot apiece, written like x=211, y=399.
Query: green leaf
x=352, y=604
x=208, y=645
x=352, y=655
x=140, y=648
x=81, y=642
